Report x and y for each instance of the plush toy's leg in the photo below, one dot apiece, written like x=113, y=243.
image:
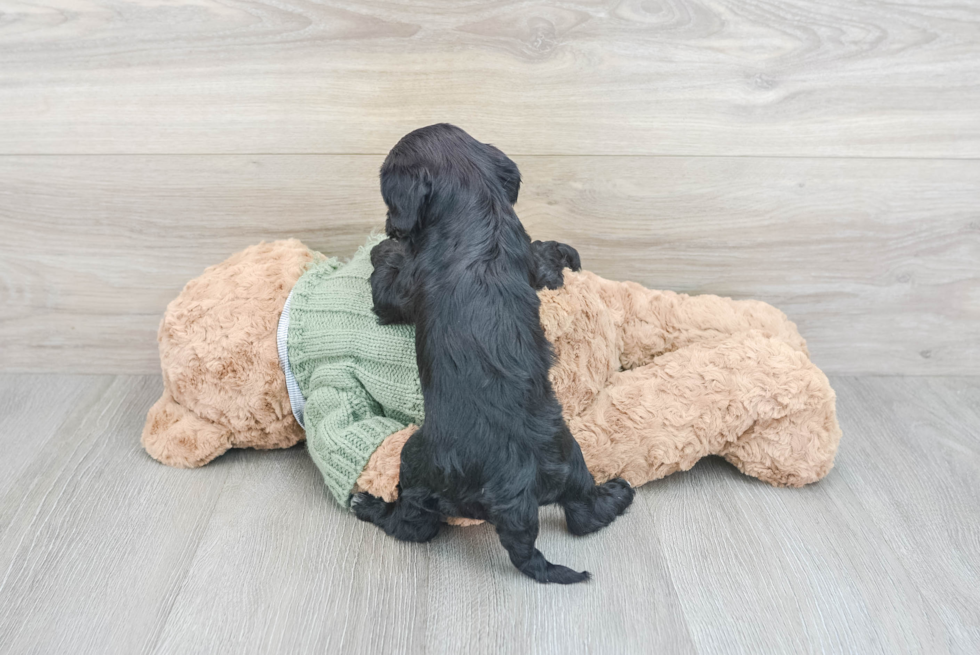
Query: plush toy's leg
x=380, y=476
x=792, y=450
x=655, y=322
x=600, y=327
x=755, y=400
x=178, y=437
x=586, y=338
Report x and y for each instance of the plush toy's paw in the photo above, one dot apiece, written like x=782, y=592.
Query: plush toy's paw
x=178, y=437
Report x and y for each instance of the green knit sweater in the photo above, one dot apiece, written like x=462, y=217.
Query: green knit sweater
x=360, y=379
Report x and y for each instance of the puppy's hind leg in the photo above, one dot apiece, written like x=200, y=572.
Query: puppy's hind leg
x=590, y=507
x=413, y=517
x=517, y=527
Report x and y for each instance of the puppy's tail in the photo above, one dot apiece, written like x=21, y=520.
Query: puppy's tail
x=537, y=567
x=558, y=574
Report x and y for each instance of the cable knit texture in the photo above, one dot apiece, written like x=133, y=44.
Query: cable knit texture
x=360, y=379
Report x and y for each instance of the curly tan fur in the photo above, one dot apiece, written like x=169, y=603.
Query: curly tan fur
x=223, y=387
x=650, y=381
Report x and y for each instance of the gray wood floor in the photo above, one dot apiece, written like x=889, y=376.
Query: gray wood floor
x=104, y=550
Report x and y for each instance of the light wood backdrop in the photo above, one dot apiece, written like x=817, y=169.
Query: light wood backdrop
x=821, y=156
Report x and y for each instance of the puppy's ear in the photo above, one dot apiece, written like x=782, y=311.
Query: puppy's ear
x=406, y=191
x=507, y=171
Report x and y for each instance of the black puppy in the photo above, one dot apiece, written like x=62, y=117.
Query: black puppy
x=461, y=267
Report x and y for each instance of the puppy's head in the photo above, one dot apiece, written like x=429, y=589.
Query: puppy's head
x=433, y=167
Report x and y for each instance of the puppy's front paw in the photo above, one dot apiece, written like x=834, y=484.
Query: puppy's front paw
x=551, y=259
x=388, y=315
x=569, y=257
x=385, y=251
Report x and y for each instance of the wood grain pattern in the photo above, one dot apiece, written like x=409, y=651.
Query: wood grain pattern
x=95, y=537
x=340, y=588
x=681, y=77
x=104, y=550
x=43, y=401
x=874, y=260
x=925, y=446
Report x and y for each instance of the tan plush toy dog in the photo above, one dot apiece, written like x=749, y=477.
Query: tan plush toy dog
x=650, y=381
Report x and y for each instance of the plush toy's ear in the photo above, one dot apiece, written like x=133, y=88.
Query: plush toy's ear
x=406, y=192
x=507, y=171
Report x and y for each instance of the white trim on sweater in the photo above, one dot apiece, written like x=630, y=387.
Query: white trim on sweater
x=296, y=400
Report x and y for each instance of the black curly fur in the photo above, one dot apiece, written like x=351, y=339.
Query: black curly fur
x=461, y=267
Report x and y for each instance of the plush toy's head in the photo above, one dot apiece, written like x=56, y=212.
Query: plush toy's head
x=223, y=387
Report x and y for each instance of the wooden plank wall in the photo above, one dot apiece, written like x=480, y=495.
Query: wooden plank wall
x=821, y=156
